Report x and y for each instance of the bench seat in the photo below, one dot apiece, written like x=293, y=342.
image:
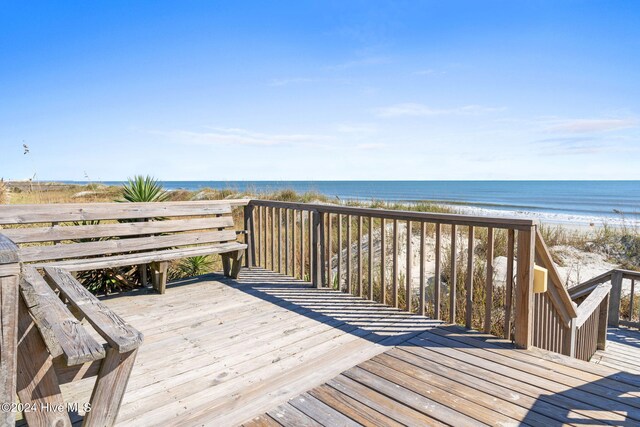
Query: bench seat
x=84, y=264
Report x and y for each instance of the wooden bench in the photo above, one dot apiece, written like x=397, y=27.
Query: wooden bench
x=54, y=348
x=77, y=238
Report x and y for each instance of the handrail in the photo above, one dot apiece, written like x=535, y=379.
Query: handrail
x=437, y=218
x=559, y=294
x=592, y=303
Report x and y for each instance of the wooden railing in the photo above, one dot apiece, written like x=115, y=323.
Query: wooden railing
x=370, y=252
x=623, y=307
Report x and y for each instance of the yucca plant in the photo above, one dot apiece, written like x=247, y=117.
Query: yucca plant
x=143, y=189
x=190, y=267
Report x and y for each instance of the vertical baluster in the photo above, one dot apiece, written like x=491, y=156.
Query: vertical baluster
x=329, y=251
x=407, y=296
x=349, y=287
x=273, y=239
x=310, y=242
x=340, y=252
x=395, y=263
x=437, y=274
x=489, y=283
x=454, y=278
x=423, y=260
x=302, y=260
x=383, y=285
x=286, y=242
x=322, y=262
x=633, y=290
x=279, y=237
x=264, y=236
x=257, y=226
x=360, y=256
x=509, y=284
x=294, y=241
x=370, y=259
x=469, y=308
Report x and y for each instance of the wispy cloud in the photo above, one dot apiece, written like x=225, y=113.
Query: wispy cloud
x=236, y=136
x=581, y=126
x=357, y=128
x=371, y=146
x=570, y=145
x=421, y=110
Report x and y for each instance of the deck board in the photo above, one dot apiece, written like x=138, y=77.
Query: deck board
x=622, y=351
x=268, y=350
x=218, y=352
x=460, y=377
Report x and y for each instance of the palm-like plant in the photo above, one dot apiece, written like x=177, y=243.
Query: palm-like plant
x=143, y=189
x=191, y=267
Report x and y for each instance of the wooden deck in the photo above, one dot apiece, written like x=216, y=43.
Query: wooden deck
x=447, y=376
x=218, y=352
x=270, y=350
x=622, y=352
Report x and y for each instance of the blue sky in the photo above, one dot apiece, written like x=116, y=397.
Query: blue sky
x=311, y=90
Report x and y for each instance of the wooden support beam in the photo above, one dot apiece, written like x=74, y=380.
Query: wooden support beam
x=37, y=383
x=523, y=333
x=614, y=298
x=9, y=271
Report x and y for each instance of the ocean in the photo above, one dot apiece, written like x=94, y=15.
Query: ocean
x=585, y=198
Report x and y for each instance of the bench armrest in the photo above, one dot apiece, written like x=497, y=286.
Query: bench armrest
x=61, y=332
x=118, y=333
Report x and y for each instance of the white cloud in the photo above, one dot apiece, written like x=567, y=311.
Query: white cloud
x=591, y=125
x=371, y=146
x=421, y=110
x=357, y=128
x=241, y=137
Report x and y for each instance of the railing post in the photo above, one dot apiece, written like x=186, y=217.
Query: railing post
x=614, y=298
x=523, y=333
x=9, y=273
x=602, y=323
x=316, y=280
x=249, y=227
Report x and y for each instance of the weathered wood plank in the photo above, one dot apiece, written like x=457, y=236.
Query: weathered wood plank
x=77, y=232
x=524, y=290
x=67, y=212
x=118, y=333
x=110, y=387
x=61, y=331
x=453, y=275
x=469, y=279
x=72, y=250
x=8, y=344
x=37, y=385
x=142, y=258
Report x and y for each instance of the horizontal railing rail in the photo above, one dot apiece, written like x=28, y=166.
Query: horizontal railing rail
x=623, y=306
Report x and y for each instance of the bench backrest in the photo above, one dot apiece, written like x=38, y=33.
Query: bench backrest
x=91, y=229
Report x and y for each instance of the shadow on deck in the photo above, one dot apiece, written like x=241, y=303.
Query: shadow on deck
x=622, y=352
x=221, y=352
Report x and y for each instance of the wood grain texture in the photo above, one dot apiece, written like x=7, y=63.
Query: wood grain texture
x=141, y=258
x=67, y=212
x=61, y=331
x=74, y=250
x=37, y=384
x=110, y=387
x=118, y=333
x=8, y=250
x=76, y=232
x=8, y=344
